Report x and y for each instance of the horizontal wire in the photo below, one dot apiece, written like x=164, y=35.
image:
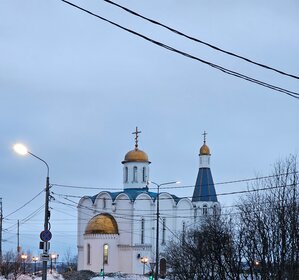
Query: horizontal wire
x=218, y=67
x=200, y=41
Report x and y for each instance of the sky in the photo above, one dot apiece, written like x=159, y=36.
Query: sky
x=73, y=88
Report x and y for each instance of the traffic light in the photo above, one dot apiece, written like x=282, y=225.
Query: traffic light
x=151, y=276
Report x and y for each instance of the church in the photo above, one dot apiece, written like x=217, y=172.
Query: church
x=117, y=231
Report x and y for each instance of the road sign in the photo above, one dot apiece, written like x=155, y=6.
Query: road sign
x=45, y=257
x=45, y=235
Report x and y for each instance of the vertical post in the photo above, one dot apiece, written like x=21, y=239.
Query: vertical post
x=46, y=227
x=157, y=235
x=18, y=239
x=1, y=220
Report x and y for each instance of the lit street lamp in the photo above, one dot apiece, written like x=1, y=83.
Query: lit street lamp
x=34, y=259
x=22, y=150
x=144, y=260
x=157, y=227
x=24, y=258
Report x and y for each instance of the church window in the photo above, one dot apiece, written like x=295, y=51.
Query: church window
x=215, y=210
x=144, y=174
x=205, y=210
x=105, y=254
x=104, y=202
x=126, y=175
x=88, y=253
x=135, y=174
x=163, y=230
x=142, y=231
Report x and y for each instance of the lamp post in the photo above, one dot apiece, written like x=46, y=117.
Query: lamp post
x=144, y=261
x=157, y=227
x=53, y=257
x=34, y=259
x=22, y=150
x=24, y=258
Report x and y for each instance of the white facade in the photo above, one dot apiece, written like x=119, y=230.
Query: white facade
x=117, y=229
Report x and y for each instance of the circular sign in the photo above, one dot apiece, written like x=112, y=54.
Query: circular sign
x=45, y=235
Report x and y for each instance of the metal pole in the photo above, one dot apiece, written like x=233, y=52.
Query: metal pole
x=1, y=219
x=46, y=226
x=157, y=235
x=24, y=266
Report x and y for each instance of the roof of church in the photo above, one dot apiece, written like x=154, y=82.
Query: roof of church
x=204, y=188
x=133, y=193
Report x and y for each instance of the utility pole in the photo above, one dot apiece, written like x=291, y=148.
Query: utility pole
x=18, y=239
x=1, y=220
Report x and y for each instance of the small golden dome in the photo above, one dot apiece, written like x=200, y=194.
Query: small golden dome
x=204, y=150
x=102, y=224
x=136, y=155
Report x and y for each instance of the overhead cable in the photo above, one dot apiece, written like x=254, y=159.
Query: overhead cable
x=200, y=41
x=180, y=187
x=216, y=66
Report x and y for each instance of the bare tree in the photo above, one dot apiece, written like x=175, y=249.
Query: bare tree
x=269, y=219
x=208, y=252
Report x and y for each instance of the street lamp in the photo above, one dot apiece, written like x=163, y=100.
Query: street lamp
x=34, y=259
x=144, y=260
x=24, y=258
x=22, y=150
x=53, y=257
x=157, y=227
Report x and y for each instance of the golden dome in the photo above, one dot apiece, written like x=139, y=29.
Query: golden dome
x=102, y=224
x=136, y=155
x=204, y=150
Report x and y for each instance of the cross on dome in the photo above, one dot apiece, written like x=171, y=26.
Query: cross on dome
x=204, y=137
x=136, y=137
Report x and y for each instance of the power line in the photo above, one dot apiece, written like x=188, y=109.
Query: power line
x=204, y=196
x=218, y=67
x=200, y=41
x=23, y=205
x=181, y=187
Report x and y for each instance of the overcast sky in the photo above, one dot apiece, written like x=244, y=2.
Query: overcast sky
x=73, y=88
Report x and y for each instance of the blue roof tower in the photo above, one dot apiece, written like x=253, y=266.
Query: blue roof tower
x=204, y=190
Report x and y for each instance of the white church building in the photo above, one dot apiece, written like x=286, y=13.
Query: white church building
x=117, y=230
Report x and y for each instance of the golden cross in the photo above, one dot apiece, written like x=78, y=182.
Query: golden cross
x=204, y=137
x=136, y=137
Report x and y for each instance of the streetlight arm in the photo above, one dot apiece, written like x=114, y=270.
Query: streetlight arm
x=42, y=161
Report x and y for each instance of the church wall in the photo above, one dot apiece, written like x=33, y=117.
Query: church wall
x=124, y=217
x=96, y=243
x=143, y=242
x=85, y=213
x=185, y=215
x=138, y=180
x=167, y=224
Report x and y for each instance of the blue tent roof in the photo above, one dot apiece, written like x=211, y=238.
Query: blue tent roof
x=204, y=188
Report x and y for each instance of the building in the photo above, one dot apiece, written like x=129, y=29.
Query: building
x=117, y=230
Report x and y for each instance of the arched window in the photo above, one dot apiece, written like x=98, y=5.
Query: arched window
x=142, y=231
x=104, y=202
x=205, y=210
x=215, y=210
x=88, y=253
x=144, y=174
x=135, y=174
x=126, y=177
x=105, y=254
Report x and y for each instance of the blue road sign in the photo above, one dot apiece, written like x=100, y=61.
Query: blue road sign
x=45, y=235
